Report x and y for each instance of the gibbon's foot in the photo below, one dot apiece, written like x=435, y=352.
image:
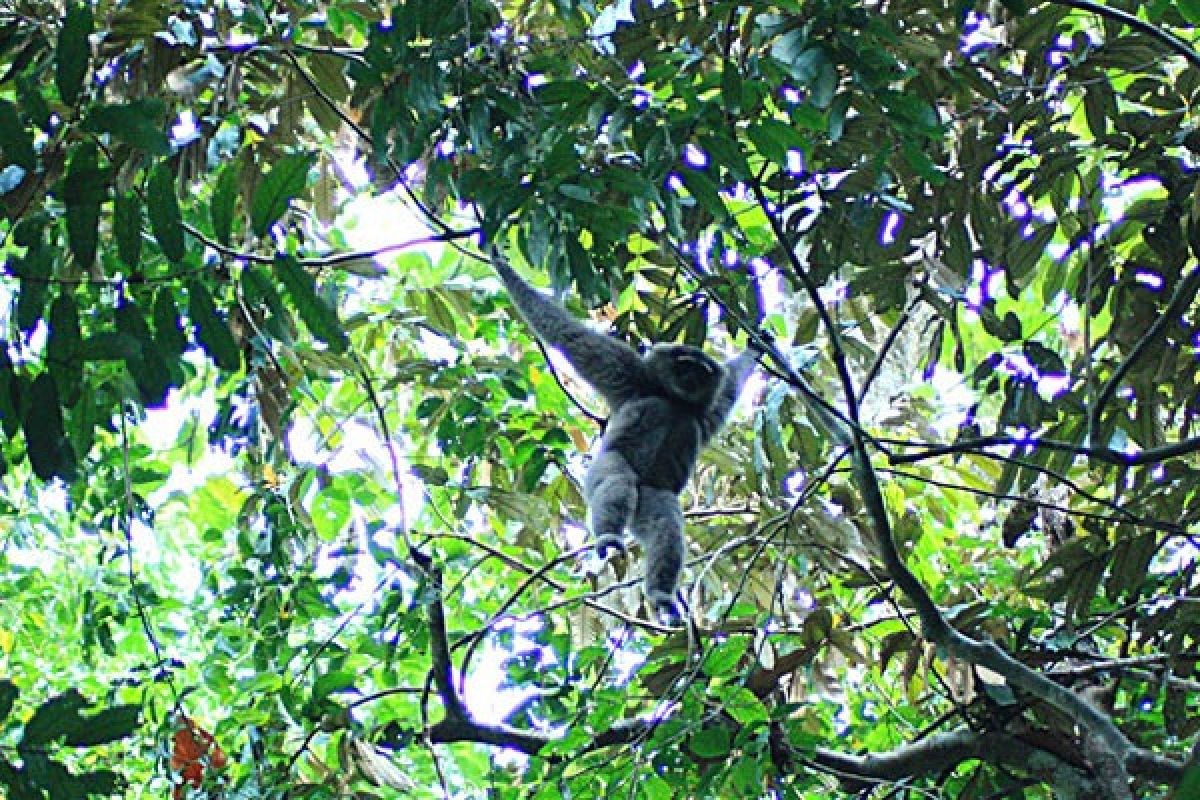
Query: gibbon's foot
x=665, y=606
x=609, y=545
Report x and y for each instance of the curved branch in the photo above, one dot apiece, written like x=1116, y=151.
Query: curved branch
x=1107, y=455
x=1138, y=24
x=1180, y=299
x=1110, y=746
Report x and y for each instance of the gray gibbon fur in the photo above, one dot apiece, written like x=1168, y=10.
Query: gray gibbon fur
x=663, y=408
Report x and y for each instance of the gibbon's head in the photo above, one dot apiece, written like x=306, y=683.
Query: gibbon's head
x=687, y=374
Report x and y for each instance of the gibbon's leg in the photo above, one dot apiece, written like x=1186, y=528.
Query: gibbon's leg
x=610, y=488
x=658, y=525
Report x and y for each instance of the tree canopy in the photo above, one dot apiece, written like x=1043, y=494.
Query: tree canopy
x=290, y=496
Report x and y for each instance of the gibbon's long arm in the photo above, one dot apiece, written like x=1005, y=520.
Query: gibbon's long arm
x=613, y=368
x=737, y=370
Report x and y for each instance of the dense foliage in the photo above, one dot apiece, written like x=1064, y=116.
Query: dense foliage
x=290, y=497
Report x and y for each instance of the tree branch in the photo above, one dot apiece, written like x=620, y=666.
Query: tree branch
x=1106, y=455
x=1180, y=299
x=1105, y=740
x=1138, y=24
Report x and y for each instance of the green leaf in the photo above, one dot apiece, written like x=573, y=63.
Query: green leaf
x=110, y=346
x=1189, y=786
x=8, y=696
x=285, y=180
x=583, y=269
x=147, y=366
x=109, y=725
x=710, y=743
x=163, y=207
x=259, y=290
x=73, y=53
x=168, y=331
x=654, y=787
x=725, y=657
x=127, y=228
x=211, y=331
x=1190, y=11
x=57, y=717
x=331, y=682
x=10, y=382
x=31, y=302
x=1007, y=329
x=84, y=187
x=138, y=123
x=100, y=783
x=774, y=139
x=15, y=141
x=1025, y=253
x=731, y=87
x=224, y=201
x=741, y=704
x=318, y=315
x=49, y=453
x=63, y=343
x=1046, y=360
x=62, y=348
x=704, y=190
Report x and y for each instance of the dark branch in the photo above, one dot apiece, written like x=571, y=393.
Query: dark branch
x=1106, y=455
x=1138, y=24
x=1180, y=300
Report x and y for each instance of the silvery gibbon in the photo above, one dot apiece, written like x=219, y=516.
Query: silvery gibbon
x=663, y=408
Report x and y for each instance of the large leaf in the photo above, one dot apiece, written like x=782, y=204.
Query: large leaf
x=49, y=453
x=10, y=382
x=62, y=347
x=15, y=141
x=34, y=269
x=163, y=207
x=84, y=188
x=318, y=315
x=168, y=332
x=74, y=52
x=258, y=291
x=211, y=330
x=224, y=200
x=146, y=363
x=138, y=123
x=57, y=717
x=283, y=183
x=8, y=696
x=127, y=228
x=106, y=726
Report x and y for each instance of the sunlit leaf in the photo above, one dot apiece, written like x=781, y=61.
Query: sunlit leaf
x=284, y=181
x=319, y=315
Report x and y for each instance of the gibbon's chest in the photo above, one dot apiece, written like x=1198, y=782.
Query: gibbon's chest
x=659, y=437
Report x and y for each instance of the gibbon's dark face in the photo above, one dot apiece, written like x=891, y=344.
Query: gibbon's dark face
x=686, y=372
